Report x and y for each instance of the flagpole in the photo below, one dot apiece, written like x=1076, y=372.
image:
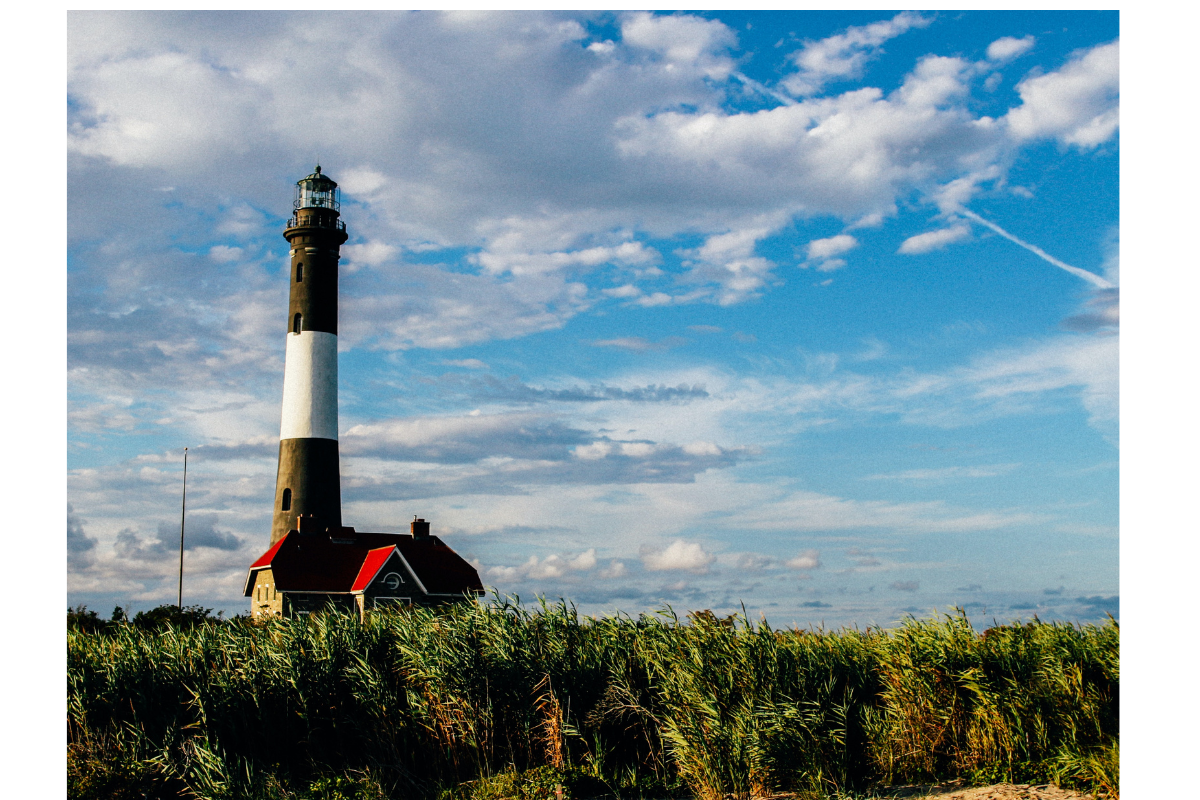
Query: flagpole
x=182, y=519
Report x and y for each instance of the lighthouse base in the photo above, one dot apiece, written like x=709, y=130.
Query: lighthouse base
x=308, y=483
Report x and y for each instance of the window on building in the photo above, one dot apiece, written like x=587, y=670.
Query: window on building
x=300, y=273
x=286, y=505
x=296, y=324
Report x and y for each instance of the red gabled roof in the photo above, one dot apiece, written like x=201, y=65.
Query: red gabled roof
x=374, y=562
x=265, y=559
x=316, y=563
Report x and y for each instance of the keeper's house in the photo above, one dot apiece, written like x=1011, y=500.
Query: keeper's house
x=345, y=569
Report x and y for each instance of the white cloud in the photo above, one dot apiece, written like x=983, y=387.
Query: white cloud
x=849, y=155
x=809, y=559
x=1007, y=48
x=223, y=254
x=843, y=56
x=821, y=251
x=466, y=437
x=637, y=344
x=679, y=555
x=615, y=569
x=593, y=451
x=398, y=307
x=361, y=180
x=498, y=259
x=552, y=566
x=682, y=41
x=749, y=562
x=370, y=254
x=834, y=245
x=946, y=473
x=655, y=299
x=934, y=240
x=728, y=260
x=1077, y=104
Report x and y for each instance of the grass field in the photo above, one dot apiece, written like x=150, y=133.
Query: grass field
x=500, y=700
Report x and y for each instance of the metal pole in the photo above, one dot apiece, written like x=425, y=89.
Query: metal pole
x=182, y=519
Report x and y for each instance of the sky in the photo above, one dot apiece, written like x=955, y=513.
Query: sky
x=808, y=313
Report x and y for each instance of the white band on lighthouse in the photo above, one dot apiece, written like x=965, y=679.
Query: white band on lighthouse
x=310, y=386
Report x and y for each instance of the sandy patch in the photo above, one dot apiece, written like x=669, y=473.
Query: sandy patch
x=1000, y=791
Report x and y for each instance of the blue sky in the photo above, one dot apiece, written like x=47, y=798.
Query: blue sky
x=703, y=309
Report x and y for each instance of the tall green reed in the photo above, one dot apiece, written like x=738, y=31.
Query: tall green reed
x=427, y=699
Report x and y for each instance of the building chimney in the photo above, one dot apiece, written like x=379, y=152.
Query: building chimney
x=420, y=528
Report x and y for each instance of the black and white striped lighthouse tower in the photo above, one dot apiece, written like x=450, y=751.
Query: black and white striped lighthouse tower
x=309, y=483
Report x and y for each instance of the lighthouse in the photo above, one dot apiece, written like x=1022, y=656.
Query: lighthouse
x=315, y=563
x=308, y=483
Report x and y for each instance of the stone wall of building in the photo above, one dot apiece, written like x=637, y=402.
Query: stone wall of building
x=266, y=597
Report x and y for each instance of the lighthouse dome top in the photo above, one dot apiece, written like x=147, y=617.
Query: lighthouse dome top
x=317, y=190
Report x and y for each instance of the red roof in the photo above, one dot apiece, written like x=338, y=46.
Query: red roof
x=371, y=566
x=316, y=563
x=265, y=559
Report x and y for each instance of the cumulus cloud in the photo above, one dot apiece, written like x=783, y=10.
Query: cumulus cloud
x=848, y=155
x=498, y=261
x=79, y=544
x=551, y=567
x=370, y=254
x=679, y=555
x=934, y=240
x=751, y=562
x=682, y=42
x=820, y=252
x=615, y=569
x=809, y=559
x=843, y=56
x=200, y=530
x=1076, y=104
x=224, y=254
x=1007, y=48
x=727, y=260
x=833, y=246
x=131, y=546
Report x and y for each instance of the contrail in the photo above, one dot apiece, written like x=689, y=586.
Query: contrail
x=1090, y=277
x=758, y=87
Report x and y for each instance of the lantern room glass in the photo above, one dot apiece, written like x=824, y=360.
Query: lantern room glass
x=316, y=191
